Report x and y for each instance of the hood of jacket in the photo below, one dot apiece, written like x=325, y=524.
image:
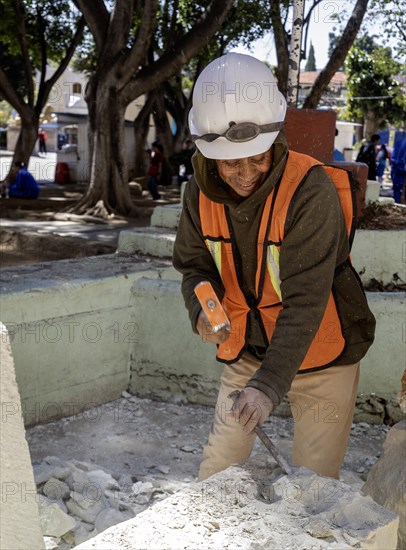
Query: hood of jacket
x=213, y=186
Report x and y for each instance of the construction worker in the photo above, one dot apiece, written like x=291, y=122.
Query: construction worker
x=269, y=230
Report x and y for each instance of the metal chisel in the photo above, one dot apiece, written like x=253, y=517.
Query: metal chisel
x=283, y=463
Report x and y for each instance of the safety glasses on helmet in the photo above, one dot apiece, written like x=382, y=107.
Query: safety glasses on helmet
x=244, y=131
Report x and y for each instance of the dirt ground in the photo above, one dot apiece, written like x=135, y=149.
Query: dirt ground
x=148, y=439
x=383, y=216
x=37, y=231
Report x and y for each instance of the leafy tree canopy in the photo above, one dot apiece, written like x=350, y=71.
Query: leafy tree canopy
x=372, y=86
x=13, y=66
x=391, y=14
x=49, y=27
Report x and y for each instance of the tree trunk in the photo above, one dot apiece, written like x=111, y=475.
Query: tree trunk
x=359, y=130
x=371, y=124
x=141, y=128
x=281, y=46
x=163, y=131
x=24, y=146
x=108, y=191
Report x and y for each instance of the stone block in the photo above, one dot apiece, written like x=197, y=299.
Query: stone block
x=44, y=472
x=166, y=216
x=154, y=241
x=386, y=482
x=372, y=192
x=54, y=522
x=103, y=480
x=55, y=489
x=109, y=517
x=86, y=507
x=18, y=490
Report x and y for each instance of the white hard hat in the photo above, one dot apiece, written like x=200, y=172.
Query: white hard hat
x=237, y=95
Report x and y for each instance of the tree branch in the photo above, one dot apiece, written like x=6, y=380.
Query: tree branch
x=119, y=26
x=281, y=46
x=97, y=19
x=141, y=44
x=172, y=26
x=43, y=47
x=338, y=56
x=184, y=49
x=62, y=66
x=22, y=39
x=10, y=94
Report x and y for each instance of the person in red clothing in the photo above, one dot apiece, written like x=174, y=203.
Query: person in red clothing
x=43, y=138
x=155, y=169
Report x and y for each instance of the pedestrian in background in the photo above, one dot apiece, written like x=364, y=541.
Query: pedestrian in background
x=183, y=161
x=367, y=155
x=381, y=158
x=155, y=169
x=398, y=170
x=43, y=138
x=24, y=186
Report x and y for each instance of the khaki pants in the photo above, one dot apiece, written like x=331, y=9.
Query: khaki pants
x=322, y=405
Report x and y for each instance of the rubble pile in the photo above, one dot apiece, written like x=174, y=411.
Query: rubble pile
x=77, y=500
x=246, y=508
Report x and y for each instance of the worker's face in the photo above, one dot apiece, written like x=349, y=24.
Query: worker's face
x=245, y=175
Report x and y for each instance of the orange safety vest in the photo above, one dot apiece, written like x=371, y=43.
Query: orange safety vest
x=328, y=342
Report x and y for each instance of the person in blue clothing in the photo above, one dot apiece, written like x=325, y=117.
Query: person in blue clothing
x=398, y=170
x=25, y=185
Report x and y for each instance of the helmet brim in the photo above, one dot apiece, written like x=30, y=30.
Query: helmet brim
x=223, y=149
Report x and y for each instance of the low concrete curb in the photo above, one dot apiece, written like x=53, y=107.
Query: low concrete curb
x=367, y=252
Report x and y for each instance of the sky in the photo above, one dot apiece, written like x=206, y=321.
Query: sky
x=322, y=23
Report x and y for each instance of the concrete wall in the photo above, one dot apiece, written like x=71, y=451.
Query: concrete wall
x=171, y=362
x=85, y=330
x=379, y=254
x=71, y=330
x=385, y=362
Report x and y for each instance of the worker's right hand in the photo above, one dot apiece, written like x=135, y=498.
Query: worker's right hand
x=205, y=330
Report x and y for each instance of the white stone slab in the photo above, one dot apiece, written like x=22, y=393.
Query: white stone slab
x=18, y=490
x=241, y=508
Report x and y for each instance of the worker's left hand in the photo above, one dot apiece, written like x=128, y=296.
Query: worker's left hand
x=252, y=408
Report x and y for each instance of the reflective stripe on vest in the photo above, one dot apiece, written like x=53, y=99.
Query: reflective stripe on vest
x=328, y=342
x=272, y=263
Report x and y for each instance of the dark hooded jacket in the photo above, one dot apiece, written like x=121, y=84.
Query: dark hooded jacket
x=313, y=262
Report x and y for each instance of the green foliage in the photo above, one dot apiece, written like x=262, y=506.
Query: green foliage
x=5, y=113
x=392, y=16
x=44, y=27
x=311, y=60
x=372, y=87
x=85, y=58
x=49, y=26
x=13, y=66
